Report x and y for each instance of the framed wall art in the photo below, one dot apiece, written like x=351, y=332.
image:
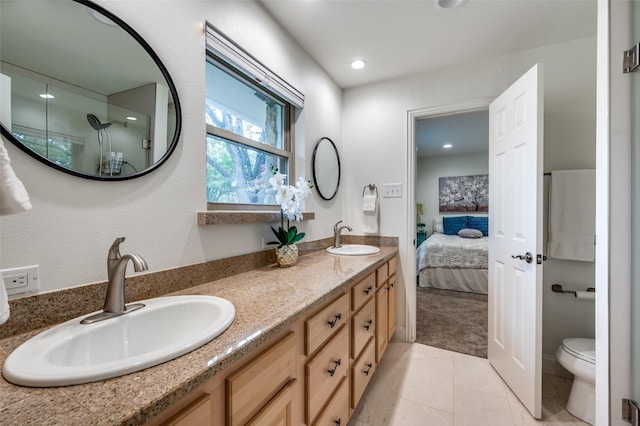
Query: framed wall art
x=464, y=194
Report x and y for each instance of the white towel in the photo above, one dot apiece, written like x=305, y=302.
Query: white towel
x=13, y=195
x=572, y=216
x=370, y=214
x=369, y=203
x=4, y=304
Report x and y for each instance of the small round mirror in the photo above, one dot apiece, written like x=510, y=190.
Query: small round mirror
x=326, y=168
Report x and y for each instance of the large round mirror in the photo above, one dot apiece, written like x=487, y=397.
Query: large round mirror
x=326, y=168
x=82, y=92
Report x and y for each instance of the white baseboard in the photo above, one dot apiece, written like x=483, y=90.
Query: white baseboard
x=550, y=365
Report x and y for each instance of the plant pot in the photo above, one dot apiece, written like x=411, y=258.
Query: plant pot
x=287, y=255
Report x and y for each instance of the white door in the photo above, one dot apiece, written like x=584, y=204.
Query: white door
x=515, y=240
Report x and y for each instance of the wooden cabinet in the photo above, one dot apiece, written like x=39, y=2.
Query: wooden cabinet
x=279, y=410
x=363, y=327
x=325, y=371
x=363, y=291
x=337, y=410
x=314, y=372
x=195, y=414
x=261, y=381
x=386, y=308
x=361, y=372
x=326, y=322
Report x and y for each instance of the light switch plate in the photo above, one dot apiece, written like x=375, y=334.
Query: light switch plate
x=392, y=190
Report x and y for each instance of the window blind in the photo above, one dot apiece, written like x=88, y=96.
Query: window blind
x=243, y=62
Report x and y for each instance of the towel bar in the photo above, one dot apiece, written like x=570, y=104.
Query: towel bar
x=372, y=187
x=557, y=288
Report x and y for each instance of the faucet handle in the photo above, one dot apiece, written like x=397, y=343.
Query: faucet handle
x=335, y=227
x=114, y=251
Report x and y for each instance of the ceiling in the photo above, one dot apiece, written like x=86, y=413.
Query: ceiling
x=468, y=133
x=403, y=37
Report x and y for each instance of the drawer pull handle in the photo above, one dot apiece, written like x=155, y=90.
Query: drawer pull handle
x=391, y=285
x=369, y=366
x=367, y=326
x=338, y=422
x=333, y=370
x=367, y=290
x=335, y=321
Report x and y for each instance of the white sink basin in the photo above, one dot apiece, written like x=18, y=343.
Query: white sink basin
x=353, y=249
x=73, y=353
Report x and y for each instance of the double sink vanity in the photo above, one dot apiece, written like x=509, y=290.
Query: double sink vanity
x=301, y=349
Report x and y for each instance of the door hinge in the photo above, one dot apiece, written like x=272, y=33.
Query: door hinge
x=631, y=59
x=631, y=411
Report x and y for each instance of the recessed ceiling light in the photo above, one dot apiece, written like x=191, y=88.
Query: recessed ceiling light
x=132, y=118
x=447, y=146
x=448, y=4
x=46, y=96
x=358, y=64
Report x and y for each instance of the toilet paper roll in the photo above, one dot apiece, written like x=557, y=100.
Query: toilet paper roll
x=591, y=295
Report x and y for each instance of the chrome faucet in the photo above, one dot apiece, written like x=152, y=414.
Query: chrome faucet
x=116, y=268
x=336, y=233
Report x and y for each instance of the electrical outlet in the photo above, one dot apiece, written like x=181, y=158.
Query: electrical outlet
x=392, y=190
x=20, y=280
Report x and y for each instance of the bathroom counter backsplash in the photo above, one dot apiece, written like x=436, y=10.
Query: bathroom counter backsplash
x=267, y=300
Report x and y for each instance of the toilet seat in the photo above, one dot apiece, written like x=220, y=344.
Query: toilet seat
x=584, y=349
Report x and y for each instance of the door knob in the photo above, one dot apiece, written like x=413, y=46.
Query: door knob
x=527, y=257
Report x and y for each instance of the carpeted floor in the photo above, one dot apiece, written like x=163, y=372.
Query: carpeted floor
x=452, y=320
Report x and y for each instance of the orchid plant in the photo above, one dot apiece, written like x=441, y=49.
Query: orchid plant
x=290, y=198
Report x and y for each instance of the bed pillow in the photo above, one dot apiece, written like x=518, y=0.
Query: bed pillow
x=453, y=224
x=470, y=233
x=480, y=223
x=438, y=227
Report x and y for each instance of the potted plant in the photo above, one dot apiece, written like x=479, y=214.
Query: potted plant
x=290, y=198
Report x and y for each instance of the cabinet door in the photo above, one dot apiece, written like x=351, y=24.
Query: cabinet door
x=392, y=308
x=278, y=411
x=382, y=300
x=325, y=371
x=198, y=413
x=254, y=385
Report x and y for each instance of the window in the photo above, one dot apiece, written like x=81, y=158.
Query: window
x=248, y=114
x=247, y=137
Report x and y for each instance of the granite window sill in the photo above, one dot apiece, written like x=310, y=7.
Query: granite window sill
x=229, y=217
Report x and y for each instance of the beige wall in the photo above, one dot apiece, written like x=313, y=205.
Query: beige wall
x=74, y=221
x=376, y=149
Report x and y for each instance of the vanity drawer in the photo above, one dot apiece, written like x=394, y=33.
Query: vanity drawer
x=251, y=387
x=361, y=372
x=337, y=410
x=325, y=371
x=362, y=291
x=382, y=273
x=363, y=327
x=323, y=324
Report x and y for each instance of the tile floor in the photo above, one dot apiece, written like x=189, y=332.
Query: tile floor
x=422, y=386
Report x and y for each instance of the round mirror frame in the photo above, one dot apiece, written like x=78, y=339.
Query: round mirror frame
x=313, y=167
x=172, y=89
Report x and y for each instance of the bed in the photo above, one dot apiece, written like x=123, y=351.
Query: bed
x=453, y=263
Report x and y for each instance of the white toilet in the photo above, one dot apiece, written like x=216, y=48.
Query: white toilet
x=578, y=356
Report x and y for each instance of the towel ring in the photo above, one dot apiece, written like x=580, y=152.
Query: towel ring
x=372, y=187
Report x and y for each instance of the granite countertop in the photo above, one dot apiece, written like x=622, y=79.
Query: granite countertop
x=267, y=300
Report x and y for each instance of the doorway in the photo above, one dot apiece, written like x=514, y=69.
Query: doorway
x=452, y=281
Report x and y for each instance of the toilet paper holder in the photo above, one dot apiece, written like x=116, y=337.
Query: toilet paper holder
x=557, y=288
